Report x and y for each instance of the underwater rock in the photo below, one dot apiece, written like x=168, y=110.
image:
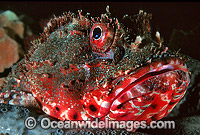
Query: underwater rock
x=188, y=41
x=192, y=104
x=102, y=132
x=183, y=126
x=12, y=122
x=188, y=126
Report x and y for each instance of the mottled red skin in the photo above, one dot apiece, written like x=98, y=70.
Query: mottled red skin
x=74, y=75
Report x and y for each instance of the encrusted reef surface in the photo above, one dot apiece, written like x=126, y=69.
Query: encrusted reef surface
x=12, y=122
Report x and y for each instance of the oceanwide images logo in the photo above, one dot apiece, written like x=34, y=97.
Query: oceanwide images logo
x=46, y=123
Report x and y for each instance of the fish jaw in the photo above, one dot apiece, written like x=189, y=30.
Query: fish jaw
x=139, y=90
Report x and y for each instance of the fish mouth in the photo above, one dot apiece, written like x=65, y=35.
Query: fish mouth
x=157, y=78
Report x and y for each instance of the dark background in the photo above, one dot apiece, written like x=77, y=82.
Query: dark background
x=167, y=16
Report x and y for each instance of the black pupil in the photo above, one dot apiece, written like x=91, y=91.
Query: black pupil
x=96, y=33
x=93, y=108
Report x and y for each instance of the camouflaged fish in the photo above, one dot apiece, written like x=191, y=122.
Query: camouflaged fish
x=83, y=67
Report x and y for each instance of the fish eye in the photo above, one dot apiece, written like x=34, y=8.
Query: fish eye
x=101, y=37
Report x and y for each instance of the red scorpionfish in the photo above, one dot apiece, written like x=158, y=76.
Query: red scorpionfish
x=83, y=67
